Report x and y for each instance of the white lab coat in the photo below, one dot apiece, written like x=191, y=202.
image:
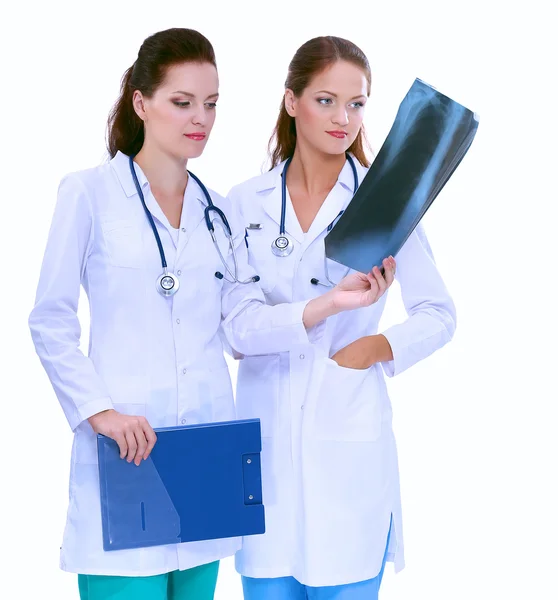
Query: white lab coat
x=158, y=357
x=330, y=470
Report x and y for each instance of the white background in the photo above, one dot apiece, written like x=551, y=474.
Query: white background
x=475, y=423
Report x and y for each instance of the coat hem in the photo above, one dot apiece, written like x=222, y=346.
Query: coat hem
x=78, y=570
x=274, y=572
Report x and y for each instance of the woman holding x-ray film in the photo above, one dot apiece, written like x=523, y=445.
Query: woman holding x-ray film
x=329, y=460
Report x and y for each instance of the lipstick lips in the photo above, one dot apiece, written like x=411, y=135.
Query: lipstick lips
x=198, y=137
x=340, y=135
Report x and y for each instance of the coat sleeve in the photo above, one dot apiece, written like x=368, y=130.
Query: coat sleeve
x=431, y=313
x=53, y=322
x=250, y=326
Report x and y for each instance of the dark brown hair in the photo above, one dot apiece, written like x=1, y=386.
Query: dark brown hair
x=157, y=53
x=310, y=59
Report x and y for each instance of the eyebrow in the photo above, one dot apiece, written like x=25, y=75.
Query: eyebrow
x=335, y=95
x=190, y=95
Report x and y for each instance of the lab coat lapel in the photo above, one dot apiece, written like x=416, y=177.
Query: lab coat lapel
x=156, y=211
x=121, y=165
x=272, y=207
x=193, y=207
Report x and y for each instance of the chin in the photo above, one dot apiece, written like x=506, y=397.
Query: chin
x=188, y=153
x=335, y=149
x=195, y=153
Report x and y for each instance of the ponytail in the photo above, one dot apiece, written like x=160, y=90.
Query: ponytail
x=125, y=128
x=283, y=139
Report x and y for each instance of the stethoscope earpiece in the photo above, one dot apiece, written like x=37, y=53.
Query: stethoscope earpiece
x=253, y=279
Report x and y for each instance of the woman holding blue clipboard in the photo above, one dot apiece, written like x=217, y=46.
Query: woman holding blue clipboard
x=163, y=262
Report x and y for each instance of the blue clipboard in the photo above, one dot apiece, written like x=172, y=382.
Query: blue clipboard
x=201, y=482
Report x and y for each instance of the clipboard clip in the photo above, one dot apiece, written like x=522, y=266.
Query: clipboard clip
x=251, y=475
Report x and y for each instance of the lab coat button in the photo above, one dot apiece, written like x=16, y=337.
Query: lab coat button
x=179, y=273
x=301, y=357
x=184, y=230
x=178, y=321
x=183, y=421
x=183, y=371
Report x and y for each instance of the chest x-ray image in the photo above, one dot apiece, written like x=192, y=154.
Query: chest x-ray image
x=428, y=139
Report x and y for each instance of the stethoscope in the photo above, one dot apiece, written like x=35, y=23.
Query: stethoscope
x=283, y=245
x=168, y=283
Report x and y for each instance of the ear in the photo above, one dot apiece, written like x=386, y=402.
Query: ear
x=138, y=104
x=290, y=103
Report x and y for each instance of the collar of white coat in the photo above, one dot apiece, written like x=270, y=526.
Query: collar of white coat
x=189, y=219
x=272, y=179
x=269, y=184
x=121, y=165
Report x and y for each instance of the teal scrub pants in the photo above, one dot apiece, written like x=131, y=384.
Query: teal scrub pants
x=192, y=584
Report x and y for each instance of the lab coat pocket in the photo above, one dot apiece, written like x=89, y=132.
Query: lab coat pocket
x=123, y=243
x=348, y=405
x=258, y=391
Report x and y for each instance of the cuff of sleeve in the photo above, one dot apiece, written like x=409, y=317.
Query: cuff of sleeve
x=312, y=335
x=316, y=333
x=397, y=343
x=89, y=409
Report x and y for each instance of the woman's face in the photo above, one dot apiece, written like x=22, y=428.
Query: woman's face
x=179, y=116
x=329, y=112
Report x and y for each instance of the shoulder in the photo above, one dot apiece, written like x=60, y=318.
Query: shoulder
x=257, y=184
x=85, y=180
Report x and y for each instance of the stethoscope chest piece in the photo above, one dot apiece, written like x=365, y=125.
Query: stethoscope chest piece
x=282, y=246
x=168, y=284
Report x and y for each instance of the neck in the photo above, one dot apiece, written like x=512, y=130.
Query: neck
x=314, y=171
x=165, y=173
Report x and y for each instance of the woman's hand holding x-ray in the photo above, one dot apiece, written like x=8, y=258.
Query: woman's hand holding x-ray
x=134, y=435
x=358, y=289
